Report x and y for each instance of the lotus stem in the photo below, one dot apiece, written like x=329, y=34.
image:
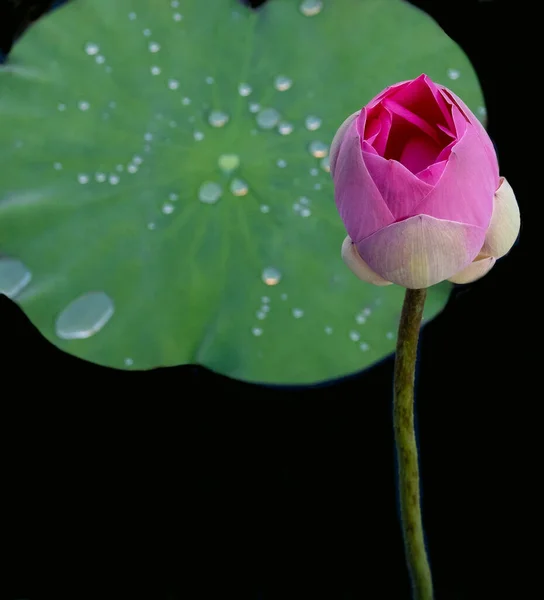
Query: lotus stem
x=405, y=441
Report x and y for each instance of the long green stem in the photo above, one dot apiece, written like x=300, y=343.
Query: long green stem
x=405, y=440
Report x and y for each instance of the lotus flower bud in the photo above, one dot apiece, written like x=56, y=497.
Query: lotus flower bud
x=417, y=186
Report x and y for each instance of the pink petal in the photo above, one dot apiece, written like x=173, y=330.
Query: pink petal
x=505, y=222
x=474, y=271
x=421, y=251
x=337, y=140
x=400, y=189
x=432, y=174
x=358, y=266
x=358, y=200
x=385, y=119
x=465, y=191
x=480, y=130
x=418, y=153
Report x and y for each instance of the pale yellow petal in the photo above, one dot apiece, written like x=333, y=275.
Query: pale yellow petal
x=358, y=266
x=505, y=222
x=474, y=271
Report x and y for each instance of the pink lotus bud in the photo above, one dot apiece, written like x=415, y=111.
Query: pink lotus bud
x=417, y=186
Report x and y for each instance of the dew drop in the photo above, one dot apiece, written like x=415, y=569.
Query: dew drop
x=57, y=166
x=209, y=80
x=61, y=107
x=296, y=207
x=209, y=192
x=137, y=160
x=354, y=336
x=100, y=177
x=481, y=112
x=174, y=3
x=198, y=135
x=328, y=330
x=186, y=101
x=154, y=47
x=366, y=312
x=254, y=107
x=128, y=362
x=173, y=196
x=271, y=276
x=148, y=137
x=83, y=105
x=244, y=89
x=454, y=74
x=283, y=296
x=147, y=32
x=326, y=164
x=282, y=83
x=257, y=331
x=228, y=162
x=119, y=168
x=268, y=118
x=155, y=70
x=177, y=17
x=82, y=178
x=91, y=48
x=361, y=319
x=132, y=169
x=264, y=208
x=218, y=118
x=85, y=316
x=173, y=84
x=305, y=212
x=14, y=277
x=168, y=208
x=239, y=187
x=265, y=299
x=285, y=128
x=281, y=163
x=312, y=123
x=318, y=149
x=364, y=346
x=317, y=186
x=113, y=179
x=261, y=315
x=298, y=313
x=309, y=8
x=304, y=201
x=389, y=335
x=151, y=226
x=265, y=308
x=132, y=16
x=100, y=59
x=314, y=172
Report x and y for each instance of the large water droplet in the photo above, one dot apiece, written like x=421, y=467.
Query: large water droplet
x=209, y=192
x=85, y=316
x=268, y=118
x=282, y=83
x=244, y=89
x=228, y=162
x=309, y=8
x=454, y=74
x=271, y=276
x=91, y=49
x=312, y=122
x=14, y=276
x=318, y=149
x=285, y=128
x=218, y=118
x=239, y=187
x=326, y=164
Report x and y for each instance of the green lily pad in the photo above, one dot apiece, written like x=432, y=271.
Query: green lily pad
x=164, y=196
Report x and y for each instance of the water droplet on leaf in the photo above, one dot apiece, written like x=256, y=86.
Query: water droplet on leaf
x=85, y=316
x=271, y=276
x=14, y=277
x=209, y=192
x=268, y=118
